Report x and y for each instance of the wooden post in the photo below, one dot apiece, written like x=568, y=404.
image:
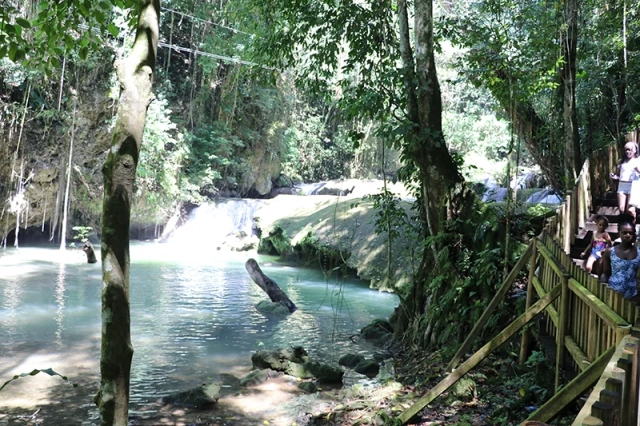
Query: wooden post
x=526, y=336
x=582, y=198
x=506, y=285
x=613, y=395
x=567, y=224
x=480, y=355
x=632, y=416
x=562, y=329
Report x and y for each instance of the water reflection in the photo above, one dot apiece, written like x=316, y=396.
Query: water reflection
x=192, y=318
x=59, y=317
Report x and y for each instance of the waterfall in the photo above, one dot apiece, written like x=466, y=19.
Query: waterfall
x=214, y=222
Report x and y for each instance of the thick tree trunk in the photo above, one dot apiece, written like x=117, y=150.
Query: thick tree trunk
x=424, y=144
x=269, y=286
x=135, y=74
x=569, y=113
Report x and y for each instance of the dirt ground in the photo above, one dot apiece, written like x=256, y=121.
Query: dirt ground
x=493, y=395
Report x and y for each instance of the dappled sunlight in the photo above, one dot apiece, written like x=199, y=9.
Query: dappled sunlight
x=30, y=392
x=191, y=322
x=264, y=401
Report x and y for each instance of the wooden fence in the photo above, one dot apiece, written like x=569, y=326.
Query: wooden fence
x=591, y=324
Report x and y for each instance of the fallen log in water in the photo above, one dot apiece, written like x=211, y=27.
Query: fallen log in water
x=268, y=285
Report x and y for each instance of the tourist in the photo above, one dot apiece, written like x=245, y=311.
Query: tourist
x=628, y=171
x=599, y=241
x=620, y=263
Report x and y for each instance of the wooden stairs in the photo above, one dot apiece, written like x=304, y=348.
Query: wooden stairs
x=606, y=207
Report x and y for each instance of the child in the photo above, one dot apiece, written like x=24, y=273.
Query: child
x=600, y=241
x=628, y=171
x=620, y=264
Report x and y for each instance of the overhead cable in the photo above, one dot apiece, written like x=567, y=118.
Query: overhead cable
x=208, y=22
x=211, y=55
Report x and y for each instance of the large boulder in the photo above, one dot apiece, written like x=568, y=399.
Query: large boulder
x=350, y=360
x=295, y=362
x=324, y=373
x=257, y=377
x=268, y=307
x=199, y=397
x=368, y=367
x=308, y=387
x=279, y=359
x=378, y=332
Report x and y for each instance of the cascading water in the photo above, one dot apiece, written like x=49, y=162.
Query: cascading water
x=215, y=222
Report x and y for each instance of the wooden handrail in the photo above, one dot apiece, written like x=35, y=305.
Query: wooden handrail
x=590, y=322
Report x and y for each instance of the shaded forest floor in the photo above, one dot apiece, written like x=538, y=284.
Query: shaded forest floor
x=497, y=392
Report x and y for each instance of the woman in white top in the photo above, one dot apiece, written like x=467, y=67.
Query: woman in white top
x=628, y=171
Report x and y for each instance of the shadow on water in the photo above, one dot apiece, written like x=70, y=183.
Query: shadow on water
x=193, y=319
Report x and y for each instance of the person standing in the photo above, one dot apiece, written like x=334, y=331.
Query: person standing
x=628, y=171
x=620, y=263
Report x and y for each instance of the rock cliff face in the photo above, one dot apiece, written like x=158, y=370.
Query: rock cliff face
x=37, y=154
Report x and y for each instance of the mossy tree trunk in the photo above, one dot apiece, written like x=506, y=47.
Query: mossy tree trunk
x=135, y=74
x=569, y=111
x=424, y=142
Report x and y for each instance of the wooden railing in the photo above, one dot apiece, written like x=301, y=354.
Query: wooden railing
x=591, y=324
x=614, y=399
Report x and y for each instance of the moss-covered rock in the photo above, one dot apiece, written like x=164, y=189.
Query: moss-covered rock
x=279, y=359
x=275, y=243
x=308, y=387
x=367, y=367
x=268, y=307
x=324, y=373
x=463, y=390
x=350, y=360
x=378, y=332
x=199, y=397
x=256, y=377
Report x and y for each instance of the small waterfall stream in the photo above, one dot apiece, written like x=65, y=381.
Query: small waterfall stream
x=214, y=222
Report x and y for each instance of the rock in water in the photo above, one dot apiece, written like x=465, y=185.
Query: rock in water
x=199, y=397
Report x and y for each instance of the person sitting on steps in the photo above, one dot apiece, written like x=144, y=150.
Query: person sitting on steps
x=620, y=263
x=628, y=171
x=599, y=241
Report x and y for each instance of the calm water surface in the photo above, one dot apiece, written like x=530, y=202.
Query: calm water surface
x=192, y=314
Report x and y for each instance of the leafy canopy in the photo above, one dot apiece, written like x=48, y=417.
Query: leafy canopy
x=39, y=34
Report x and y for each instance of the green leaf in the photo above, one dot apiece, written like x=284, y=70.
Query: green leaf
x=3, y=51
x=84, y=52
x=55, y=62
x=84, y=41
x=99, y=16
x=19, y=55
x=23, y=23
x=83, y=9
x=9, y=29
x=69, y=41
x=113, y=30
x=12, y=51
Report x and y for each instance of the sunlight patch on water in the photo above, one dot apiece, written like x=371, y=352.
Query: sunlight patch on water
x=193, y=315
